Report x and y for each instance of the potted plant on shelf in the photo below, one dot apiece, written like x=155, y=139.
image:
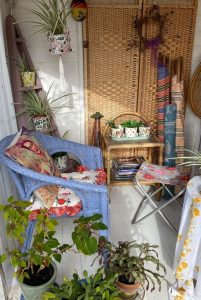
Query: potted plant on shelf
x=117, y=131
x=28, y=76
x=41, y=108
x=34, y=267
x=52, y=20
x=131, y=270
x=144, y=129
x=131, y=128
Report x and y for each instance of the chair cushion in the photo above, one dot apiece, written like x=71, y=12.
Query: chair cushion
x=27, y=151
x=66, y=202
x=161, y=174
x=97, y=176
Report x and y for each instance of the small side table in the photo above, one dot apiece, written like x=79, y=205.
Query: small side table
x=121, y=149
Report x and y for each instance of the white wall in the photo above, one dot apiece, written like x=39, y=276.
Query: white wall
x=48, y=68
x=192, y=123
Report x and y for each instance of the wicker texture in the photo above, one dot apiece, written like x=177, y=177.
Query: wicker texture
x=112, y=71
x=94, y=197
x=117, y=79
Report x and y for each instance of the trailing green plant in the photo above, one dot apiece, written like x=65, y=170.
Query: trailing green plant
x=133, y=268
x=52, y=16
x=45, y=247
x=131, y=124
x=23, y=66
x=41, y=104
x=93, y=287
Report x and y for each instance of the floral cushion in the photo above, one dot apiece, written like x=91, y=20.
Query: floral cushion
x=66, y=202
x=27, y=151
x=161, y=174
x=97, y=176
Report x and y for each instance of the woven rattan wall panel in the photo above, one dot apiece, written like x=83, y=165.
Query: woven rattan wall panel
x=117, y=79
x=178, y=42
x=111, y=71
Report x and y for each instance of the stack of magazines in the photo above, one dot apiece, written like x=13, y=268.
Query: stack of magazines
x=126, y=168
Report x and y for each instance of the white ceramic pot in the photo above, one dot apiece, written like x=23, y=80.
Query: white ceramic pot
x=144, y=131
x=41, y=123
x=59, y=43
x=117, y=132
x=131, y=132
x=61, y=161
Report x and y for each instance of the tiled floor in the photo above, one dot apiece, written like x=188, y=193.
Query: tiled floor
x=124, y=201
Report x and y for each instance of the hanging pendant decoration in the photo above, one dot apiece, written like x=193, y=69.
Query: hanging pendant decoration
x=79, y=9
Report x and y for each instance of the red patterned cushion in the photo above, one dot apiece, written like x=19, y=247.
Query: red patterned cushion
x=27, y=151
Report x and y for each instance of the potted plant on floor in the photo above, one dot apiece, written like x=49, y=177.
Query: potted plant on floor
x=34, y=267
x=40, y=108
x=131, y=269
x=93, y=287
x=52, y=20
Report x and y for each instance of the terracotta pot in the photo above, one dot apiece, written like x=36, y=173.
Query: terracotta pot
x=59, y=43
x=28, y=78
x=117, y=132
x=131, y=132
x=41, y=123
x=128, y=290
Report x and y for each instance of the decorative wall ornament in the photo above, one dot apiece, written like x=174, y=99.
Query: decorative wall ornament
x=79, y=9
x=154, y=42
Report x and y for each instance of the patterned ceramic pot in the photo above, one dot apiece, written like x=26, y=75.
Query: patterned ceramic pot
x=28, y=78
x=131, y=132
x=61, y=161
x=117, y=132
x=41, y=123
x=59, y=43
x=144, y=131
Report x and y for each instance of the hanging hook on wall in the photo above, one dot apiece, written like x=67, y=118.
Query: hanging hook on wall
x=11, y=4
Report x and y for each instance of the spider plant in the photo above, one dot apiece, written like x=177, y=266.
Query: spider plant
x=190, y=161
x=52, y=15
x=41, y=104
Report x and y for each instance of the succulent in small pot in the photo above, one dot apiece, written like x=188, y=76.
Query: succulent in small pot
x=52, y=20
x=131, y=269
x=117, y=131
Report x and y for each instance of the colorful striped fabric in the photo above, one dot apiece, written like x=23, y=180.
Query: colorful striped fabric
x=177, y=97
x=163, y=95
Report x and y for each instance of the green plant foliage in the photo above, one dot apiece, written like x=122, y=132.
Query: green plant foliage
x=23, y=66
x=194, y=159
x=94, y=287
x=85, y=234
x=112, y=124
x=133, y=268
x=51, y=16
x=41, y=104
x=132, y=124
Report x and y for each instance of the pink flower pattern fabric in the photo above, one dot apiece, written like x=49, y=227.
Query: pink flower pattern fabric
x=161, y=174
x=67, y=202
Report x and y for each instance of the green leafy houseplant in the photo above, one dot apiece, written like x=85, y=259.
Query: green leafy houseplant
x=93, y=287
x=28, y=75
x=52, y=16
x=133, y=269
x=30, y=263
x=193, y=160
x=131, y=124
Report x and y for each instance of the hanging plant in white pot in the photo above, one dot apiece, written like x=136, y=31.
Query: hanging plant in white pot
x=52, y=20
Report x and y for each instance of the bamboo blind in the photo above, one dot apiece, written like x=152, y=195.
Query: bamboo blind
x=117, y=79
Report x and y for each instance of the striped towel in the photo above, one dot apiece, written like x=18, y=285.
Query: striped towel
x=177, y=97
x=163, y=95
